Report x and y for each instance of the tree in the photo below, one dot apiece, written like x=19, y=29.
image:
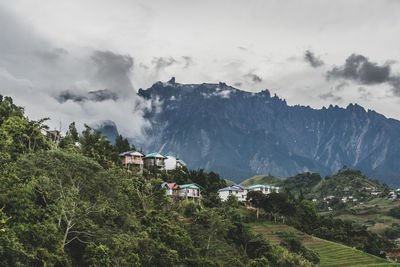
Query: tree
x=278, y=203
x=256, y=199
x=73, y=132
x=63, y=186
x=9, y=109
x=95, y=145
x=122, y=144
x=20, y=136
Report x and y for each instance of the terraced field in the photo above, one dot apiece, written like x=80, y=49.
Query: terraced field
x=331, y=253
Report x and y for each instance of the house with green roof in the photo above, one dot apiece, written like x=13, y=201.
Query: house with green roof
x=191, y=191
x=154, y=159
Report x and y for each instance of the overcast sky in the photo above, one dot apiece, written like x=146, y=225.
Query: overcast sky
x=52, y=53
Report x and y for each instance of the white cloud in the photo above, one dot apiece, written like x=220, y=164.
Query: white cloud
x=206, y=32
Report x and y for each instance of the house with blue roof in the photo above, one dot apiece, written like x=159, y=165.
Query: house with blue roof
x=132, y=158
x=237, y=190
x=241, y=191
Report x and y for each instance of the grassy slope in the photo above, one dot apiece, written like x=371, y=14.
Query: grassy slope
x=263, y=179
x=331, y=253
x=372, y=214
x=229, y=182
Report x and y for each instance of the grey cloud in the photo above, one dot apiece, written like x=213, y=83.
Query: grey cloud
x=312, y=59
x=68, y=95
x=364, y=94
x=394, y=81
x=254, y=77
x=341, y=86
x=330, y=96
x=238, y=84
x=113, y=71
x=163, y=62
x=188, y=61
x=361, y=70
x=94, y=96
x=102, y=95
x=67, y=84
x=52, y=55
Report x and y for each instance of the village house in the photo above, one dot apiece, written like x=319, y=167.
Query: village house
x=186, y=191
x=154, y=159
x=172, y=163
x=172, y=189
x=241, y=191
x=266, y=189
x=132, y=159
x=190, y=191
x=237, y=190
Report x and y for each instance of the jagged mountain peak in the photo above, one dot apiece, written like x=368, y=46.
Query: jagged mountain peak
x=239, y=134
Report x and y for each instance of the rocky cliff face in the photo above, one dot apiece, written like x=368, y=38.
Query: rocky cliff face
x=239, y=134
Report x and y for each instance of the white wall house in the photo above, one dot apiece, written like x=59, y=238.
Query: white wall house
x=266, y=189
x=171, y=189
x=224, y=193
x=190, y=190
x=187, y=191
x=171, y=163
x=237, y=190
x=241, y=191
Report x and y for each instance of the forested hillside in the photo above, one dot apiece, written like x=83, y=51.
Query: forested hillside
x=68, y=201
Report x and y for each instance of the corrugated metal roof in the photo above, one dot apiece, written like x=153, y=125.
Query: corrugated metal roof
x=263, y=186
x=132, y=153
x=189, y=185
x=233, y=188
x=170, y=185
x=241, y=186
x=155, y=155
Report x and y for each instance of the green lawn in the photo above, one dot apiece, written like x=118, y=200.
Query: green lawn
x=263, y=179
x=331, y=253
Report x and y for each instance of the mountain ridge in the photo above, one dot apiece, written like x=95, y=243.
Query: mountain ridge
x=240, y=134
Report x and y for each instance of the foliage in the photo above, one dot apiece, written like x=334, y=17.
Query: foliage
x=76, y=205
x=122, y=144
x=395, y=212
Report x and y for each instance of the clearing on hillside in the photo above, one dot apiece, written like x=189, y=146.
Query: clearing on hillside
x=331, y=253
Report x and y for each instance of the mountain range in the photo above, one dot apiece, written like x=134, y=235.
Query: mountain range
x=240, y=134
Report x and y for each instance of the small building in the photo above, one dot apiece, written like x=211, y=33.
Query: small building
x=266, y=189
x=154, y=159
x=237, y=190
x=190, y=191
x=132, y=158
x=241, y=191
x=172, y=163
x=172, y=189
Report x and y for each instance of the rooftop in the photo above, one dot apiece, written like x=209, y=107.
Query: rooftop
x=131, y=153
x=155, y=155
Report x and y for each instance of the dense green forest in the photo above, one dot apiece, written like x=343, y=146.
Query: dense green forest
x=68, y=201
